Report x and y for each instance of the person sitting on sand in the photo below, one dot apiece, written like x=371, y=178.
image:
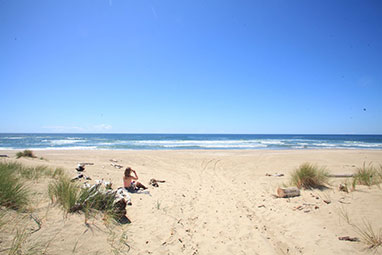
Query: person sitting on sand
x=130, y=182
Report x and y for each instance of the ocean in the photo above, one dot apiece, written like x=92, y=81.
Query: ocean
x=187, y=141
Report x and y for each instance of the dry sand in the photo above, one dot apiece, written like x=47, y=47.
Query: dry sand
x=213, y=202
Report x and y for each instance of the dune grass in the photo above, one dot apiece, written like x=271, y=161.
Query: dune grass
x=368, y=236
x=73, y=198
x=25, y=153
x=13, y=192
x=309, y=176
x=371, y=238
x=64, y=192
x=368, y=175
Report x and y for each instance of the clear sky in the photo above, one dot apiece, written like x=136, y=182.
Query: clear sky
x=197, y=66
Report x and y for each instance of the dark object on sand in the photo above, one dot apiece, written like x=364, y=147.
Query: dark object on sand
x=80, y=169
x=275, y=174
x=348, y=238
x=116, y=165
x=4, y=156
x=288, y=192
x=340, y=175
x=154, y=182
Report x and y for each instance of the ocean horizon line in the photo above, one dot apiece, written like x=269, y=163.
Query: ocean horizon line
x=165, y=133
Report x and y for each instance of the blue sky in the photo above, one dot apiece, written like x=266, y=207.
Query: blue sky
x=122, y=66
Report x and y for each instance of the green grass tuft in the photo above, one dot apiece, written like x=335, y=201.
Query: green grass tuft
x=309, y=176
x=368, y=175
x=13, y=193
x=25, y=153
x=368, y=236
x=64, y=192
x=73, y=198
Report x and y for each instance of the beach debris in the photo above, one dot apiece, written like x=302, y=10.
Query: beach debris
x=80, y=169
x=341, y=175
x=327, y=201
x=107, y=184
x=113, y=160
x=86, y=164
x=116, y=165
x=306, y=207
x=274, y=175
x=120, y=198
x=343, y=187
x=38, y=222
x=288, y=192
x=348, y=238
x=123, y=194
x=154, y=182
x=4, y=156
x=259, y=206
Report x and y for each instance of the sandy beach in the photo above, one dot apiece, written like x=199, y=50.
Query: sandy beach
x=213, y=202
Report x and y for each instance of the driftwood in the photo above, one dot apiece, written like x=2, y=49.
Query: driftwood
x=154, y=182
x=340, y=175
x=4, y=156
x=288, y=192
x=116, y=165
x=89, y=164
x=348, y=238
x=274, y=175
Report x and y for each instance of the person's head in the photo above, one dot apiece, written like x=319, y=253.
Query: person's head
x=128, y=172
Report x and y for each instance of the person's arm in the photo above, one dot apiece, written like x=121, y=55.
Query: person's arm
x=135, y=173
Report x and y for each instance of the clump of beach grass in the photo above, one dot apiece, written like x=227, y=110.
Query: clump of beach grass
x=368, y=175
x=366, y=232
x=13, y=192
x=373, y=239
x=25, y=153
x=309, y=176
x=73, y=198
x=64, y=192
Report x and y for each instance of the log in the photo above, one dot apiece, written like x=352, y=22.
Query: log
x=86, y=163
x=4, y=156
x=341, y=175
x=288, y=192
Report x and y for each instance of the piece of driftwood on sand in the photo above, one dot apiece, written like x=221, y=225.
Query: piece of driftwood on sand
x=4, y=156
x=340, y=175
x=116, y=165
x=288, y=192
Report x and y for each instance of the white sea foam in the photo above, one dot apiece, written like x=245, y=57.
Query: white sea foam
x=14, y=137
x=193, y=142
x=215, y=145
x=273, y=142
x=63, y=142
